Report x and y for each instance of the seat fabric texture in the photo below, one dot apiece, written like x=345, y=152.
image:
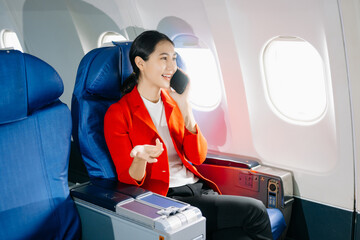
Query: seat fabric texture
x=100, y=75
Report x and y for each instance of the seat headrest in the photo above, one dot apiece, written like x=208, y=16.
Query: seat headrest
x=108, y=67
x=26, y=84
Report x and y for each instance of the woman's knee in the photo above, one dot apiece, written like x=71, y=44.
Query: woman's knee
x=257, y=206
x=250, y=205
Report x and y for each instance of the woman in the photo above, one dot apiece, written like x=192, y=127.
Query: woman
x=155, y=142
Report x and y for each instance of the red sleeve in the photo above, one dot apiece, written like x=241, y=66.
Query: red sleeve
x=195, y=146
x=116, y=131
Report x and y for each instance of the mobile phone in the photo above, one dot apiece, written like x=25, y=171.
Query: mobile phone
x=179, y=81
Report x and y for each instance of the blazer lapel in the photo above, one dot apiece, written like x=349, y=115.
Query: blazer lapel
x=139, y=109
x=169, y=105
x=174, y=119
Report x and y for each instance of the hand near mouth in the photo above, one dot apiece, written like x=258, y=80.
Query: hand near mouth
x=184, y=105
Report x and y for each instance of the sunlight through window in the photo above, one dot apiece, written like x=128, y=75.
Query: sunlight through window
x=295, y=78
x=107, y=38
x=9, y=39
x=202, y=69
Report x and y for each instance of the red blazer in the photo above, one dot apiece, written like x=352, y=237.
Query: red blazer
x=128, y=124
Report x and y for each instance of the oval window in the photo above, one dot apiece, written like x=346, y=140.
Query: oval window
x=295, y=78
x=106, y=38
x=9, y=39
x=202, y=68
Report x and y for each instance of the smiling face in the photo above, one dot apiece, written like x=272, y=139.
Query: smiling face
x=156, y=72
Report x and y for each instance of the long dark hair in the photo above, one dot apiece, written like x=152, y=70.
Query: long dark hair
x=143, y=46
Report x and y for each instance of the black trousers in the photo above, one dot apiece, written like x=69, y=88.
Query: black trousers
x=227, y=217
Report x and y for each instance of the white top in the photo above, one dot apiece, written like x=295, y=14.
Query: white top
x=179, y=174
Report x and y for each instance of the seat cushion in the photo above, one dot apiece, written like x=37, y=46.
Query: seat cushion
x=277, y=222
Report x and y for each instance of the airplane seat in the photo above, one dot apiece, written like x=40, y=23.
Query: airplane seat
x=97, y=86
x=100, y=75
x=35, y=132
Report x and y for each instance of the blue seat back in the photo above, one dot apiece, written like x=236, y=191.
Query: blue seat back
x=35, y=130
x=100, y=75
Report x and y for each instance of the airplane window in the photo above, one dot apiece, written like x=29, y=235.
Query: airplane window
x=9, y=39
x=107, y=38
x=202, y=69
x=295, y=78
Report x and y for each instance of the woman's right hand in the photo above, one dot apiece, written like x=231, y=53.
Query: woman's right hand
x=147, y=153
x=142, y=155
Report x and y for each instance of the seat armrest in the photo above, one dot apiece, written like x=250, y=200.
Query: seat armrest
x=99, y=196
x=112, y=195
x=229, y=161
x=124, y=209
x=114, y=185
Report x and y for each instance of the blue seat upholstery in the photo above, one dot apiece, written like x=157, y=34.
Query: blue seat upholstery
x=277, y=221
x=100, y=75
x=35, y=130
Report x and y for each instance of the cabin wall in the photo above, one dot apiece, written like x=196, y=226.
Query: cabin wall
x=8, y=22
x=322, y=150
x=351, y=24
x=92, y=18
x=48, y=32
